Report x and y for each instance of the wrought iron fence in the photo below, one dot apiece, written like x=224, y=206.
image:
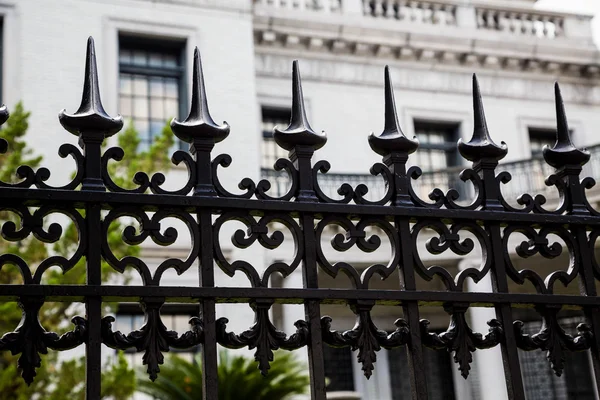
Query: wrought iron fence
x=92, y=200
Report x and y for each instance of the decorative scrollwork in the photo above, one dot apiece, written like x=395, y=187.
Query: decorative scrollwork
x=30, y=339
x=365, y=336
x=152, y=338
x=33, y=223
x=538, y=243
x=345, y=190
x=460, y=338
x=553, y=339
x=263, y=336
x=150, y=227
x=449, y=239
x=258, y=230
x=224, y=160
x=357, y=235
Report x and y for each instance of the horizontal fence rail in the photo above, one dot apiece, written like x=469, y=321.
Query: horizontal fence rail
x=404, y=205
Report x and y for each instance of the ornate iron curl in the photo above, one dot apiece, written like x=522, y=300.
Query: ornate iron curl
x=150, y=227
x=365, y=336
x=258, y=231
x=553, y=339
x=538, y=243
x=262, y=336
x=152, y=338
x=30, y=339
x=460, y=338
x=34, y=224
x=449, y=239
x=356, y=235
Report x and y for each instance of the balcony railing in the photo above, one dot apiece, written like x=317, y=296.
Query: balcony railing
x=514, y=20
x=528, y=176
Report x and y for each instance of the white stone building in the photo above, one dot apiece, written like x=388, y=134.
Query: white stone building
x=144, y=50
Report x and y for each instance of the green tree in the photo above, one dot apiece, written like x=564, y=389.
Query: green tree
x=60, y=380
x=238, y=377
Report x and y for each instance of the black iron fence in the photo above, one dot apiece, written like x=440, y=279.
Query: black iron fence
x=92, y=200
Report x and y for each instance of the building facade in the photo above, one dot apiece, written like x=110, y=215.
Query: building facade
x=144, y=50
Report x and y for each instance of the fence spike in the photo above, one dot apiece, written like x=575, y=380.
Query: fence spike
x=299, y=132
x=481, y=146
x=90, y=117
x=199, y=125
x=392, y=139
x=563, y=152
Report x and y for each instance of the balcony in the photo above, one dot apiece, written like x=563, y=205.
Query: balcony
x=511, y=35
x=528, y=176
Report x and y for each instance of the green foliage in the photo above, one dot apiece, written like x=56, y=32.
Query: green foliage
x=238, y=377
x=65, y=380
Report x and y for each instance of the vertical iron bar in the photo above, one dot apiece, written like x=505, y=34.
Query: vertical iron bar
x=510, y=355
x=312, y=310
x=210, y=389
x=93, y=305
x=588, y=288
x=418, y=379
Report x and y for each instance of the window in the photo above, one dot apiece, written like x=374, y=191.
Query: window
x=538, y=138
x=151, y=84
x=272, y=117
x=438, y=368
x=437, y=145
x=338, y=368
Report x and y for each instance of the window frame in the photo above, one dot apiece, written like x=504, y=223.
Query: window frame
x=164, y=45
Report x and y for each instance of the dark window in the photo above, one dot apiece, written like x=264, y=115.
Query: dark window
x=272, y=117
x=437, y=148
x=151, y=84
x=338, y=369
x=438, y=368
x=538, y=138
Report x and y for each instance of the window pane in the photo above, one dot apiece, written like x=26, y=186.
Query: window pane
x=171, y=109
x=171, y=88
x=140, y=86
x=125, y=56
x=125, y=106
x=139, y=58
x=125, y=85
x=157, y=109
x=155, y=60
x=156, y=87
x=140, y=107
x=170, y=61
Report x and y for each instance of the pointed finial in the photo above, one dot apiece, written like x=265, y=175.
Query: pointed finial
x=299, y=132
x=392, y=139
x=481, y=146
x=564, y=152
x=90, y=117
x=199, y=124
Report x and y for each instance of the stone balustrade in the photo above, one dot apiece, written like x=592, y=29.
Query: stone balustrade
x=543, y=25
x=317, y=5
x=426, y=12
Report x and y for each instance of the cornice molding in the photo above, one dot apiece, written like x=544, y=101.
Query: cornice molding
x=412, y=76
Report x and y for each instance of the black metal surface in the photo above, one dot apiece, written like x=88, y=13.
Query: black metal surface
x=92, y=200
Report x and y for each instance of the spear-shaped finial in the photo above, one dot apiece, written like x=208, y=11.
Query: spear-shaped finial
x=392, y=139
x=564, y=152
x=90, y=118
x=199, y=124
x=299, y=132
x=481, y=146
